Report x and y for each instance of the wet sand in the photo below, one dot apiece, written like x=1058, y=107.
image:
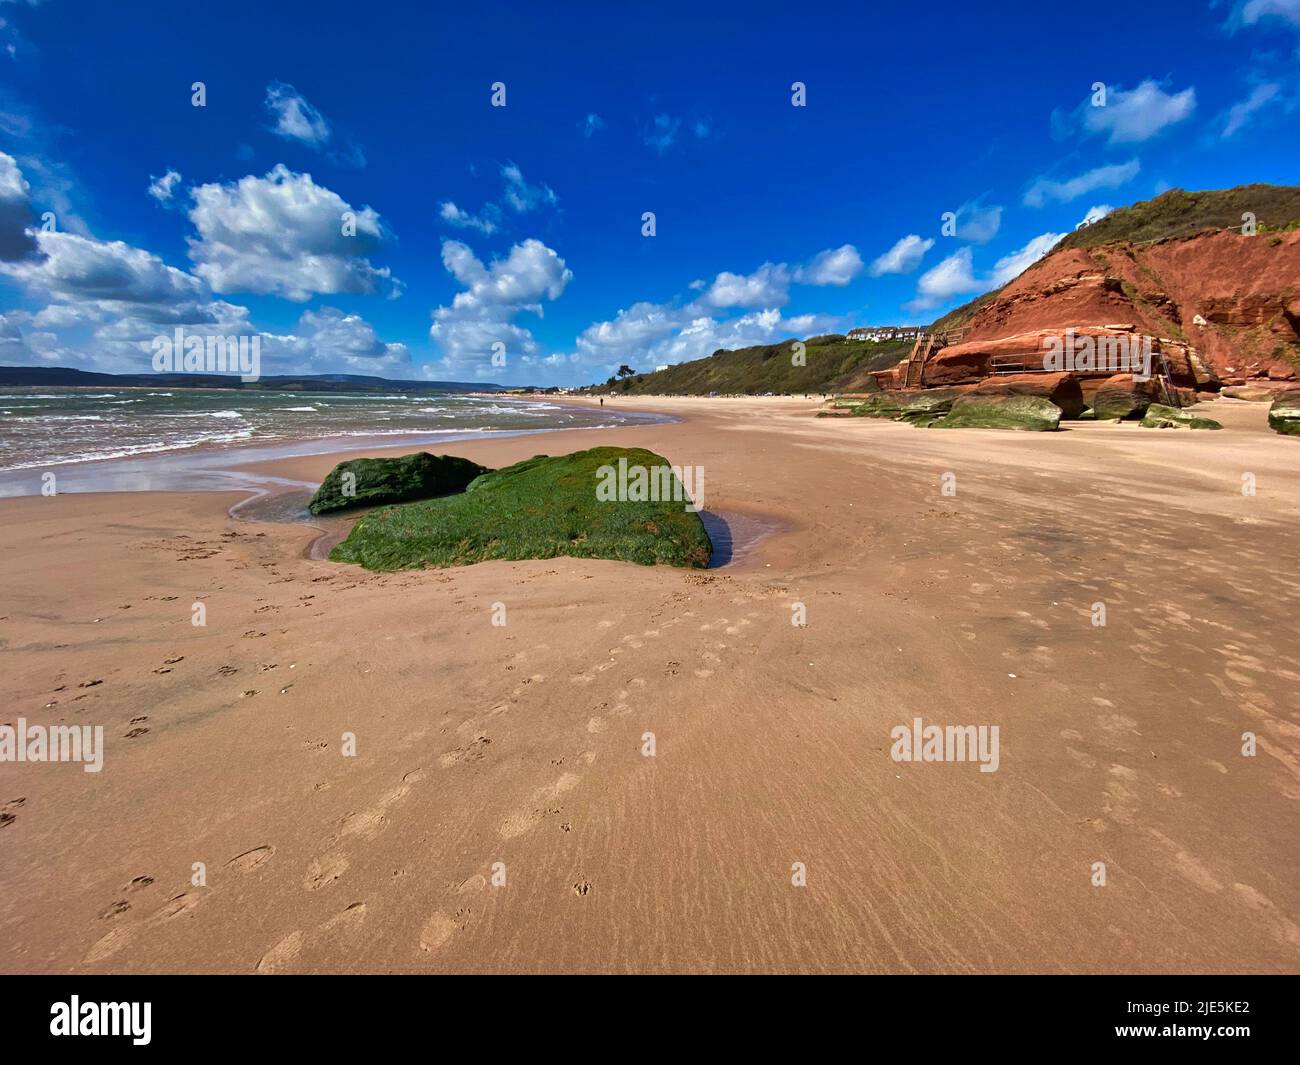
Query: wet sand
x=516, y=751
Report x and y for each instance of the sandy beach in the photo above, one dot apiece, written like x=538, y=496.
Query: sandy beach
x=486, y=753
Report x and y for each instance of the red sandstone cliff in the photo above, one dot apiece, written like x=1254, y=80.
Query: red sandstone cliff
x=1221, y=306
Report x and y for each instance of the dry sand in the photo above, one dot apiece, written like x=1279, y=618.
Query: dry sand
x=523, y=744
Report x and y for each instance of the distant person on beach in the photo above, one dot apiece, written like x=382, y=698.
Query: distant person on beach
x=602, y=401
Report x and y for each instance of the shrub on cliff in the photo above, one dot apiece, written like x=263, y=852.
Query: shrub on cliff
x=540, y=508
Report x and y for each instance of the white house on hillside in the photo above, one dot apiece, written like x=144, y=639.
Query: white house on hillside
x=877, y=333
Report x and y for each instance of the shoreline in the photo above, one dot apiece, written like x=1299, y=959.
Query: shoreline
x=218, y=461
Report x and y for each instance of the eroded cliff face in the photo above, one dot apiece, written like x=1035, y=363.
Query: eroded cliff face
x=1232, y=300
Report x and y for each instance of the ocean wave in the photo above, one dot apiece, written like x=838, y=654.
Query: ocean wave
x=141, y=449
x=312, y=409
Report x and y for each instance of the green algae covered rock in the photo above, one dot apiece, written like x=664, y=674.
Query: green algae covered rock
x=370, y=482
x=591, y=504
x=1025, y=413
x=1284, y=414
x=1158, y=416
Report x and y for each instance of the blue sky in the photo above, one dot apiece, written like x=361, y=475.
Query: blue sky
x=522, y=225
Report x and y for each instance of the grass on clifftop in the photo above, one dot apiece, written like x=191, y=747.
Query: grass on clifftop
x=540, y=508
x=1178, y=213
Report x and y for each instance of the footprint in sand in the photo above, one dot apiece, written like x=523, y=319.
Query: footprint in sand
x=174, y=907
x=324, y=871
x=365, y=824
x=109, y=945
x=1085, y=760
x=436, y=931
x=345, y=924
x=7, y=815
x=524, y=820
x=282, y=955
x=251, y=859
x=473, y=751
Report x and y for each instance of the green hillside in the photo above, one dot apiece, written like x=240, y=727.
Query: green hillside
x=833, y=364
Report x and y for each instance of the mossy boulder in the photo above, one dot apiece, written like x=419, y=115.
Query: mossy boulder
x=908, y=406
x=1284, y=414
x=586, y=505
x=371, y=482
x=1158, y=416
x=1026, y=413
x=1122, y=398
x=1062, y=389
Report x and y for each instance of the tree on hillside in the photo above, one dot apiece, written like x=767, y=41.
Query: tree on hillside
x=625, y=371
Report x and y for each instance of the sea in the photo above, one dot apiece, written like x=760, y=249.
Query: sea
x=137, y=439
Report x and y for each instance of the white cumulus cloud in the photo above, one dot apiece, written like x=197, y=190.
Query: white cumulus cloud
x=904, y=257
x=16, y=215
x=493, y=296
x=834, y=267
x=283, y=235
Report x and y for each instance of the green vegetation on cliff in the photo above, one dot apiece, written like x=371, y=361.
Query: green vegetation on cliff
x=832, y=364
x=1178, y=213
x=540, y=508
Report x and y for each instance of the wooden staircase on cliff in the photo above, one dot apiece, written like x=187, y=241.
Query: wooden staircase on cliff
x=926, y=345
